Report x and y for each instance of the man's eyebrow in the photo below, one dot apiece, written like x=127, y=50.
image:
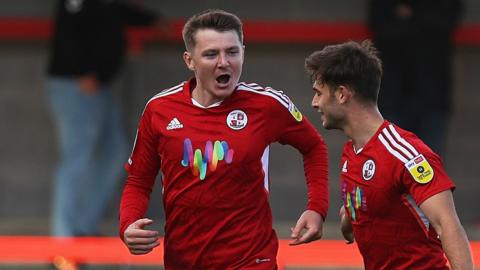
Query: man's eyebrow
x=210, y=50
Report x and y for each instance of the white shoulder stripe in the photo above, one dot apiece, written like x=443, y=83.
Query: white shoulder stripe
x=167, y=92
x=279, y=93
x=402, y=140
x=253, y=85
x=391, y=150
x=392, y=141
x=265, y=93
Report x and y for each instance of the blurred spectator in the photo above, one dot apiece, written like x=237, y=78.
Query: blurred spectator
x=414, y=39
x=87, y=51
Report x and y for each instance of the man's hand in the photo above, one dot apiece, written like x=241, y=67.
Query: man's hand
x=139, y=240
x=310, y=221
x=346, y=226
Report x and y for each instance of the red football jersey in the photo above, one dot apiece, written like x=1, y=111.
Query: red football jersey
x=214, y=163
x=382, y=186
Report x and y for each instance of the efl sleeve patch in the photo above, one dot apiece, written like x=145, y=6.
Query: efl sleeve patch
x=420, y=169
x=295, y=112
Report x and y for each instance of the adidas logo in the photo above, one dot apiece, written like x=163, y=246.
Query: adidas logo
x=344, y=168
x=174, y=124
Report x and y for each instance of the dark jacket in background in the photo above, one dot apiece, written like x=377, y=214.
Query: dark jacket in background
x=414, y=38
x=416, y=51
x=89, y=37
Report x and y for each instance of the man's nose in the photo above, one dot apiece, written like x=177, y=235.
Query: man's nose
x=223, y=60
x=315, y=101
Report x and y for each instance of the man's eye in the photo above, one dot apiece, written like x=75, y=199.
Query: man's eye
x=210, y=54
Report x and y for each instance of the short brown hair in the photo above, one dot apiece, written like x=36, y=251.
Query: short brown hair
x=351, y=64
x=215, y=19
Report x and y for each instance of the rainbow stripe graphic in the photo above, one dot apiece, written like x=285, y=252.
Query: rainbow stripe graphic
x=214, y=152
x=355, y=201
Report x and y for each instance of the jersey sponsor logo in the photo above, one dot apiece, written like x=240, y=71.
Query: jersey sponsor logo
x=237, y=119
x=295, y=112
x=420, y=169
x=344, y=167
x=199, y=162
x=174, y=124
x=354, y=200
x=368, y=170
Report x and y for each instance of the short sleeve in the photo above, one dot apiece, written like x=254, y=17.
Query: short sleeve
x=424, y=176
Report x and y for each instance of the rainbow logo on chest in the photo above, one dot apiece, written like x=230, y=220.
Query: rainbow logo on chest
x=199, y=162
x=354, y=200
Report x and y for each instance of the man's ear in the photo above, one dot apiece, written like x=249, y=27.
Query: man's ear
x=343, y=94
x=187, y=57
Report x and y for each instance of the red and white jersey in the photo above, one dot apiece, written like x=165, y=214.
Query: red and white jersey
x=214, y=163
x=382, y=186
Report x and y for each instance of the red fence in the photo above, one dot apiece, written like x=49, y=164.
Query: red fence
x=110, y=250
x=256, y=31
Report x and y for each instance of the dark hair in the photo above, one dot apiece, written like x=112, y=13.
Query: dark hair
x=351, y=64
x=215, y=19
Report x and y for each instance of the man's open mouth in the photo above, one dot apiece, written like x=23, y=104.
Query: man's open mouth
x=223, y=79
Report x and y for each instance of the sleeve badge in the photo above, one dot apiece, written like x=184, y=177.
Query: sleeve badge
x=420, y=169
x=295, y=112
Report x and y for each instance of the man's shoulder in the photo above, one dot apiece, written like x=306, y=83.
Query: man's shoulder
x=401, y=144
x=263, y=93
x=166, y=95
x=275, y=101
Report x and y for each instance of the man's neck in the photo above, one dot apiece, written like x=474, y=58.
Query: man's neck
x=203, y=98
x=362, y=124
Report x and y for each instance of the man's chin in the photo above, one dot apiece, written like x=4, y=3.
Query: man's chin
x=328, y=126
x=224, y=91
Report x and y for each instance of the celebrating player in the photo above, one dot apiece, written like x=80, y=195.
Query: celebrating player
x=210, y=139
x=397, y=196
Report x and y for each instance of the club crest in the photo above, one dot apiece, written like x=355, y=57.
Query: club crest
x=368, y=170
x=237, y=119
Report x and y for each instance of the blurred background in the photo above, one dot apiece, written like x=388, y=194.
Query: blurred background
x=277, y=42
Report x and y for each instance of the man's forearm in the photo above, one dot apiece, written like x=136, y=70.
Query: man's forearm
x=457, y=248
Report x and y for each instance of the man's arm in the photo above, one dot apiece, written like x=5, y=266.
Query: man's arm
x=309, y=226
x=142, y=168
x=288, y=126
x=440, y=211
